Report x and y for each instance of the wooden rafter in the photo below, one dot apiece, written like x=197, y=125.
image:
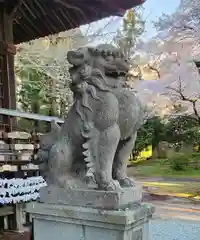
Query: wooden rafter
x=15, y=7
x=70, y=6
x=38, y=18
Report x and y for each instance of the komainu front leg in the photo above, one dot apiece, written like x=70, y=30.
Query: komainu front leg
x=121, y=159
x=107, y=145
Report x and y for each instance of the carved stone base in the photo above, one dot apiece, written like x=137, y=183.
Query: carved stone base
x=53, y=221
x=92, y=198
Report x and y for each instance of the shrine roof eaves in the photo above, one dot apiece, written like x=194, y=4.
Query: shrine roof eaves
x=38, y=18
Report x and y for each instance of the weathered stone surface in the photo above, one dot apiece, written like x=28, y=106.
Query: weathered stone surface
x=101, y=127
x=64, y=222
x=92, y=198
x=94, y=144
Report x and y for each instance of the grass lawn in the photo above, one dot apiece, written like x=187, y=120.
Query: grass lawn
x=159, y=168
x=186, y=188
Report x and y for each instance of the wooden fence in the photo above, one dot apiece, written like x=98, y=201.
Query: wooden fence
x=17, y=149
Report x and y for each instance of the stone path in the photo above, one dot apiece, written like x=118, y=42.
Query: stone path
x=175, y=219
x=164, y=229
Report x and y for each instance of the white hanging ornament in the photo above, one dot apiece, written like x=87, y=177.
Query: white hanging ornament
x=18, y=189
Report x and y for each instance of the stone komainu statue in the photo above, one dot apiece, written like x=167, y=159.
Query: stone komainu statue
x=100, y=130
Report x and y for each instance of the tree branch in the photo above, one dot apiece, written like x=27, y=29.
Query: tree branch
x=154, y=69
x=194, y=101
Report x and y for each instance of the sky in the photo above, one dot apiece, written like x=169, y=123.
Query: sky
x=152, y=10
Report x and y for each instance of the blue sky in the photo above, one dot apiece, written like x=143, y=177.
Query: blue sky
x=154, y=9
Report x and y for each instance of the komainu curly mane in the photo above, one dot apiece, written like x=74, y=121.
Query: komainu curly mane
x=89, y=90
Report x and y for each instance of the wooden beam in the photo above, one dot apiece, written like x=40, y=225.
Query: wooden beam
x=6, y=210
x=16, y=113
x=11, y=48
x=16, y=4
x=9, y=87
x=3, y=47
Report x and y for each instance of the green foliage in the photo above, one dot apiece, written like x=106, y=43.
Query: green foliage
x=132, y=28
x=196, y=155
x=179, y=161
x=46, y=60
x=144, y=138
x=186, y=159
x=32, y=89
x=178, y=132
x=196, y=160
x=151, y=133
x=159, y=130
x=33, y=95
x=183, y=130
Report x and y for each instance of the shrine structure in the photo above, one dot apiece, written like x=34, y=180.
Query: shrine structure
x=25, y=20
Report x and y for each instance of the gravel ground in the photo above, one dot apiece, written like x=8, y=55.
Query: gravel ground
x=174, y=230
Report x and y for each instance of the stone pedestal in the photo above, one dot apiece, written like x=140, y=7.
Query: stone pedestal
x=61, y=221
x=92, y=198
